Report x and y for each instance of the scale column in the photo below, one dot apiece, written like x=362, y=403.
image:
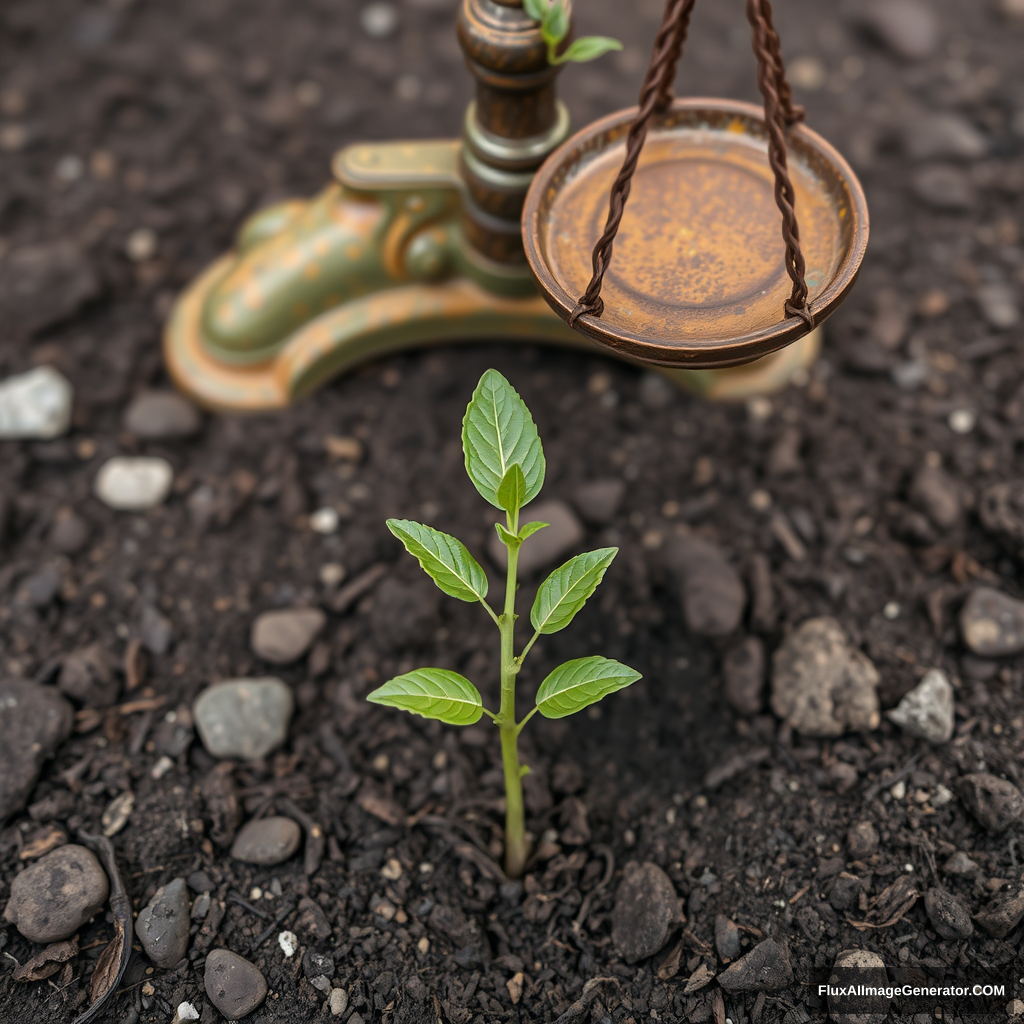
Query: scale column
x=512, y=125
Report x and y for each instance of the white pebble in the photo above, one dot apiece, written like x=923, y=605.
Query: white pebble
x=185, y=1012
x=961, y=421
x=891, y=610
x=379, y=20
x=161, y=768
x=759, y=408
x=36, y=404
x=338, y=1001
x=134, y=483
x=942, y=796
x=331, y=574
x=70, y=168
x=289, y=943
x=899, y=791
x=760, y=500
x=324, y=520
x=141, y=245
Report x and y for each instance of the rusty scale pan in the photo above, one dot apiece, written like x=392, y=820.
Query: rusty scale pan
x=702, y=275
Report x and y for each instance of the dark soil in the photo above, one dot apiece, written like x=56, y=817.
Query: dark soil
x=186, y=116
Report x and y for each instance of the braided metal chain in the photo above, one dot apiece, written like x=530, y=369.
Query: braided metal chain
x=656, y=95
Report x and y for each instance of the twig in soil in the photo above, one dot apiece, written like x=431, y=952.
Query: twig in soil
x=235, y=898
x=351, y=592
x=875, y=788
x=581, y=1007
x=315, y=839
x=272, y=927
x=112, y=962
x=609, y=870
x=480, y=856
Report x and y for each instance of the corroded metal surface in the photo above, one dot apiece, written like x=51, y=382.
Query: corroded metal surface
x=698, y=278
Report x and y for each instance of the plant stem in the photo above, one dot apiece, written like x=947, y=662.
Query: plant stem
x=515, y=830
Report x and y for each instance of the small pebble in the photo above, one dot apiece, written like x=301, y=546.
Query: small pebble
x=909, y=28
x=992, y=623
x=709, y=588
x=338, y=1001
x=891, y=611
x=379, y=20
x=939, y=136
x=646, y=911
x=743, y=673
x=727, y=938
x=862, y=840
x=267, y=841
x=764, y=969
x=141, y=245
x=244, y=718
x=163, y=925
x=325, y=520
x=134, y=483
x=38, y=589
x=289, y=943
x=161, y=415
x=598, y=501
x=185, y=1012
x=36, y=404
x=998, y=304
x=69, y=533
x=55, y=896
x=962, y=421
x=858, y=967
x=156, y=630
x=935, y=493
x=547, y=547
x=927, y=710
x=995, y=803
x=284, y=636
x=949, y=917
x=943, y=188
x=235, y=986
x=1003, y=912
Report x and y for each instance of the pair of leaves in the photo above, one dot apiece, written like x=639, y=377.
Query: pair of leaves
x=554, y=27
x=452, y=698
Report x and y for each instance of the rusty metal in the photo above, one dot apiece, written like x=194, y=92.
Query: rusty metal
x=699, y=277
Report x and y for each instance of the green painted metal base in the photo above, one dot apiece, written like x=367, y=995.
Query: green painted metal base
x=375, y=264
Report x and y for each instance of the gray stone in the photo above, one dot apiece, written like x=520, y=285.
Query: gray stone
x=992, y=623
x=36, y=405
x=949, y=917
x=244, y=718
x=997, y=301
x=338, y=1003
x=944, y=135
x=845, y=892
x=727, y=938
x=156, y=630
x=69, y=533
x=267, y=841
x=38, y=589
x=656, y=391
x=161, y=415
x=53, y=898
x=943, y=188
x=743, y=674
x=821, y=685
x=927, y=710
x=907, y=27
x=284, y=636
x=129, y=483
x=1001, y=511
x=379, y=19
x=87, y=675
x=764, y=969
x=1003, y=912
x=646, y=910
x=547, y=547
x=163, y=925
x=599, y=500
x=862, y=840
x=34, y=721
x=962, y=866
x=854, y=967
x=995, y=803
x=709, y=588
x=235, y=986
x=43, y=284
x=935, y=493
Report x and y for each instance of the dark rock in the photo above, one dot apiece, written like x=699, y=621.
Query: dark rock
x=43, y=284
x=809, y=921
x=317, y=965
x=312, y=921
x=34, y=721
x=743, y=673
x=992, y=623
x=1001, y=511
x=235, y=986
x=908, y=28
x=267, y=841
x=1003, y=912
x=962, y=866
x=38, y=589
x=55, y=806
x=784, y=456
x=284, y=636
x=727, y=938
x=997, y=301
x=69, y=533
x=842, y=777
x=821, y=685
x=862, y=840
x=845, y=892
x=156, y=631
x=764, y=969
x=53, y=898
x=163, y=924
x=88, y=676
x=646, y=910
x=161, y=415
x=996, y=803
x=949, y=917
x=599, y=500
x=200, y=881
x=936, y=495
x=943, y=188
x=855, y=967
x=709, y=589
x=546, y=548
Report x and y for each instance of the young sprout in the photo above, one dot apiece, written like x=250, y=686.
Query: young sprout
x=505, y=462
x=554, y=27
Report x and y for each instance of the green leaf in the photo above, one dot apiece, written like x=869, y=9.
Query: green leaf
x=578, y=684
x=443, y=558
x=510, y=540
x=512, y=490
x=588, y=48
x=498, y=431
x=432, y=693
x=535, y=9
x=566, y=590
x=555, y=26
x=529, y=529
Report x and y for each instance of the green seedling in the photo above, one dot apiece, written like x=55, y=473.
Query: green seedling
x=554, y=27
x=505, y=463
